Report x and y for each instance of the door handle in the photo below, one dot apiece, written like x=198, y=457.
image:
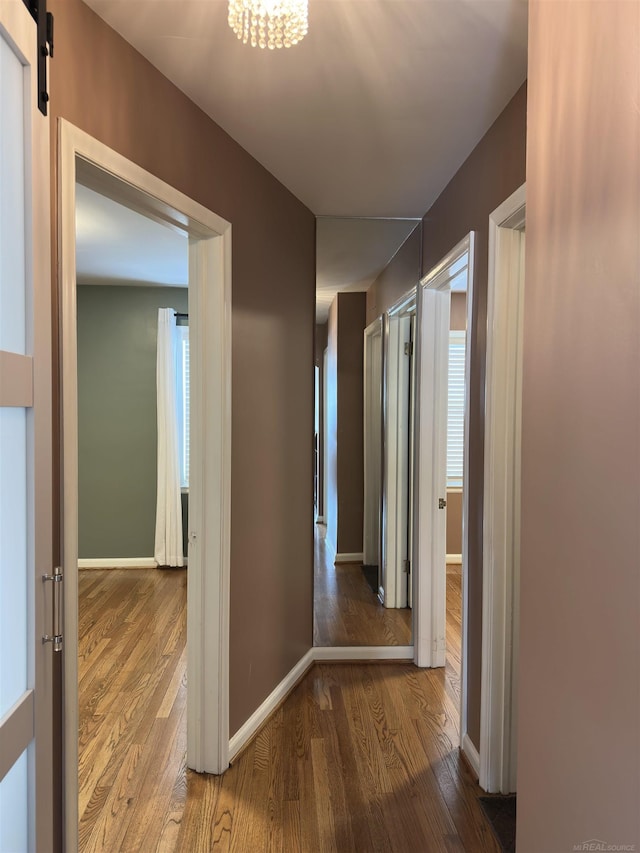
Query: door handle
x=56, y=637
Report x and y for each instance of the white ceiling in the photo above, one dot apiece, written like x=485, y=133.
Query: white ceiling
x=350, y=254
x=115, y=245
x=369, y=116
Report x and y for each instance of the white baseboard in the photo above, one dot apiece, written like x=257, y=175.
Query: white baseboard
x=347, y=653
x=348, y=558
x=119, y=563
x=471, y=754
x=327, y=654
x=331, y=551
x=261, y=714
x=454, y=559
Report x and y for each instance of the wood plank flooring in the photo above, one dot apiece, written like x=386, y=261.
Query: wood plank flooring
x=360, y=757
x=346, y=611
x=132, y=697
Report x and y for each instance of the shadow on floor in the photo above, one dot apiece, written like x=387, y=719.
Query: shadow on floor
x=501, y=812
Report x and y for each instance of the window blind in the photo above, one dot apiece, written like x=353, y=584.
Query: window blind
x=455, y=410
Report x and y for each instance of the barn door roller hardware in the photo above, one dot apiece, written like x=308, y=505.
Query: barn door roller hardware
x=44, y=22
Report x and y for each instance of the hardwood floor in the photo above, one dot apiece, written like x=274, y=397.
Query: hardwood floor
x=346, y=611
x=360, y=757
x=132, y=697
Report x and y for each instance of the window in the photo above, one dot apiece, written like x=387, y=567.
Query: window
x=455, y=410
x=182, y=400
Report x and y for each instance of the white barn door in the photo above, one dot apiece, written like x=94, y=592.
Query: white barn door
x=27, y=601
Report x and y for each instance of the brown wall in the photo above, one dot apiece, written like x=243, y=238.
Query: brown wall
x=102, y=85
x=345, y=497
x=454, y=522
x=495, y=168
x=351, y=325
x=397, y=278
x=458, y=318
x=578, y=750
x=321, y=342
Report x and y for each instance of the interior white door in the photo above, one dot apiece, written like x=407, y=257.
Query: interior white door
x=431, y=472
x=26, y=598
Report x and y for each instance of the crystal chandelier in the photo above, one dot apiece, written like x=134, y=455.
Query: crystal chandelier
x=269, y=23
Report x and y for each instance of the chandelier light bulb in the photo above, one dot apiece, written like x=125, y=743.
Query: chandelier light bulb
x=269, y=23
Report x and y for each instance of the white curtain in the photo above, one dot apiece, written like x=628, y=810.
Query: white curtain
x=168, y=546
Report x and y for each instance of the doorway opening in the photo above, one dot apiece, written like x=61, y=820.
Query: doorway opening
x=132, y=305
x=85, y=161
x=442, y=466
x=351, y=621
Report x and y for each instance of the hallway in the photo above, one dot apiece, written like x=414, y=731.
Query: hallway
x=346, y=611
x=360, y=757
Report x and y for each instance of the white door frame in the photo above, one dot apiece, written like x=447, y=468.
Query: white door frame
x=501, y=534
x=210, y=494
x=397, y=389
x=372, y=442
x=429, y=578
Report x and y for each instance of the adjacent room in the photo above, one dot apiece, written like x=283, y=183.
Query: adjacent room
x=133, y=499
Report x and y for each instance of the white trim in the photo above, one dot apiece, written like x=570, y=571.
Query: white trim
x=118, y=563
x=270, y=704
x=330, y=553
x=79, y=155
x=209, y=497
x=429, y=612
x=501, y=548
x=470, y=753
x=396, y=408
x=454, y=559
x=406, y=304
x=345, y=557
x=362, y=653
x=318, y=654
x=372, y=441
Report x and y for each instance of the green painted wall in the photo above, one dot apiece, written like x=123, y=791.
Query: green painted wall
x=117, y=433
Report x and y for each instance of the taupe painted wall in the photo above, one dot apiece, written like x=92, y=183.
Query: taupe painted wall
x=117, y=416
x=346, y=461
x=494, y=169
x=579, y=750
x=102, y=85
x=397, y=278
x=322, y=330
x=351, y=326
x=454, y=522
x=458, y=318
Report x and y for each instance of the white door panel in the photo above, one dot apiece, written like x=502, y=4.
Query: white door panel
x=26, y=611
